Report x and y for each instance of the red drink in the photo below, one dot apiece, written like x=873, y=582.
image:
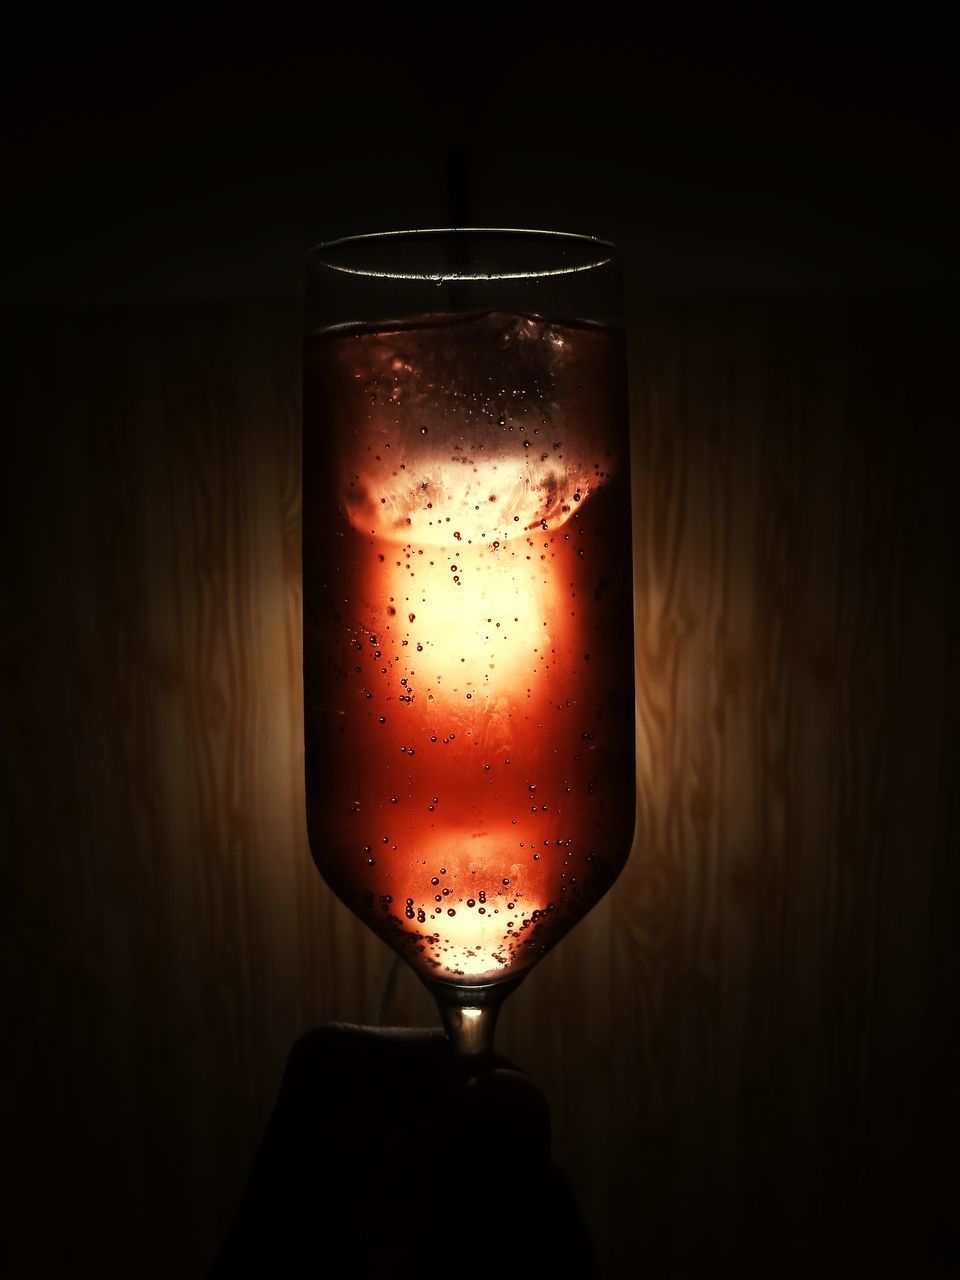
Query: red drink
x=468, y=632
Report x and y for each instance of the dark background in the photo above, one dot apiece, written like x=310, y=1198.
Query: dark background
x=752, y=1049
x=186, y=162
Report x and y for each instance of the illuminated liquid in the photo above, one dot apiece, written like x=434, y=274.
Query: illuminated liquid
x=468, y=632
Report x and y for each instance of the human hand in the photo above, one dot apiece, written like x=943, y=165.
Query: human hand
x=380, y=1159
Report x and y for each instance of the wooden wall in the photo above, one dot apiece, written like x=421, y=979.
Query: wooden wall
x=751, y=1047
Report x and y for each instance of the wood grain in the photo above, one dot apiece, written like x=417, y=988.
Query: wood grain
x=750, y=1048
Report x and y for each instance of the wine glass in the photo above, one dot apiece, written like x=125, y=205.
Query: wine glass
x=467, y=597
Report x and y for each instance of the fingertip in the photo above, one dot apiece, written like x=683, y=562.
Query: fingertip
x=508, y=1100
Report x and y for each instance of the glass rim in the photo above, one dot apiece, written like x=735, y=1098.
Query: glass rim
x=605, y=253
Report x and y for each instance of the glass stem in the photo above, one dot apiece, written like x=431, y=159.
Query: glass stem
x=470, y=1028
x=469, y=1016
